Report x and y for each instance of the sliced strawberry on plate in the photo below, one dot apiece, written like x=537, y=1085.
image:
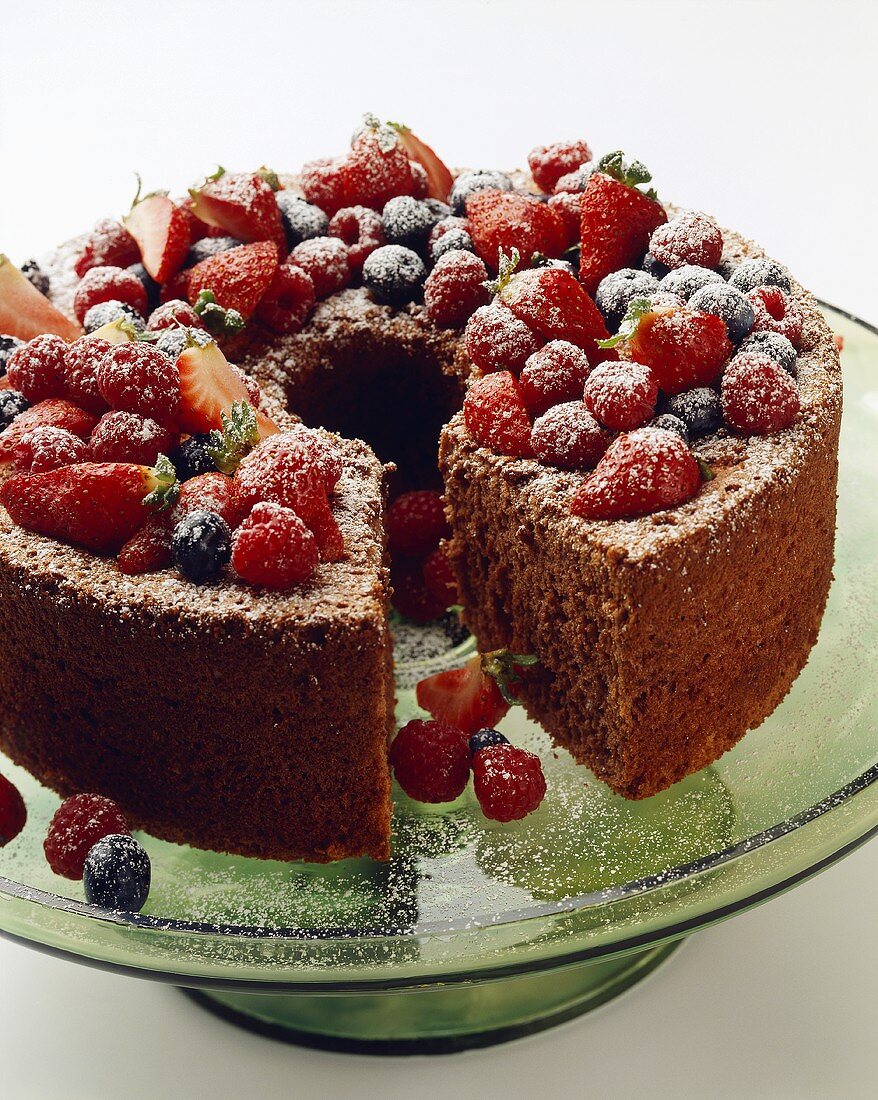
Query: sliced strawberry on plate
x=162, y=232
x=439, y=177
x=26, y=313
x=96, y=505
x=240, y=203
x=237, y=278
x=500, y=221
x=210, y=387
x=476, y=696
x=52, y=413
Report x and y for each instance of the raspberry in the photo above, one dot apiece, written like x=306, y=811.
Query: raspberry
x=325, y=260
x=49, y=448
x=108, y=244
x=568, y=206
x=13, y=813
x=37, y=369
x=439, y=577
x=411, y=596
x=128, y=437
x=375, y=173
x=101, y=284
x=323, y=183
x=430, y=761
x=496, y=416
x=212, y=492
x=555, y=373
x=171, y=314
x=690, y=238
x=288, y=302
x=568, y=436
x=621, y=395
x=149, y=550
x=495, y=339
x=758, y=395
x=508, y=782
x=575, y=181
x=361, y=229
x=416, y=523
x=274, y=548
x=54, y=412
x=84, y=356
x=548, y=163
x=79, y=823
x=138, y=378
x=455, y=288
x=774, y=311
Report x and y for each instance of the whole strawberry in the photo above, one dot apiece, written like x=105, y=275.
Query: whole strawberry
x=54, y=412
x=500, y=221
x=377, y=168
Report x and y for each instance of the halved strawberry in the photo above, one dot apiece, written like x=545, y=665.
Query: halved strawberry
x=476, y=696
x=242, y=204
x=238, y=278
x=55, y=412
x=439, y=177
x=26, y=313
x=161, y=230
x=97, y=505
x=210, y=387
x=500, y=221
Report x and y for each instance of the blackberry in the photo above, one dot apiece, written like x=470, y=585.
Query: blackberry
x=394, y=274
x=407, y=222
x=201, y=545
x=615, y=292
x=468, y=183
x=209, y=246
x=684, y=281
x=655, y=267
x=727, y=303
x=699, y=409
x=455, y=240
x=483, y=739
x=726, y=268
x=671, y=423
x=172, y=341
x=117, y=874
x=302, y=220
x=753, y=273
x=104, y=313
x=152, y=288
x=775, y=346
x=12, y=404
x=440, y=209
x=36, y=276
x=192, y=458
x=8, y=344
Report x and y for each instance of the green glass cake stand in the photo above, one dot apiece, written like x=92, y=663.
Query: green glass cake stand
x=476, y=932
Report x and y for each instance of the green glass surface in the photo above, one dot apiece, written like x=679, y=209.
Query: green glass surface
x=575, y=890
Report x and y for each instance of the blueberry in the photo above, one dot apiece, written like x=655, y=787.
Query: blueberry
x=699, y=409
x=671, y=423
x=36, y=276
x=655, y=267
x=775, y=346
x=454, y=628
x=539, y=260
x=302, y=220
x=455, y=240
x=104, y=313
x=209, y=246
x=727, y=303
x=201, y=545
x=468, y=183
x=581, y=176
x=394, y=274
x=152, y=288
x=663, y=299
x=12, y=403
x=191, y=458
x=440, y=209
x=616, y=291
x=172, y=341
x=407, y=221
x=753, y=273
x=483, y=739
x=117, y=874
x=8, y=344
x=684, y=281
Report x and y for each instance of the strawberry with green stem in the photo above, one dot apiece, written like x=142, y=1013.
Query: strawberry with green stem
x=242, y=204
x=478, y=695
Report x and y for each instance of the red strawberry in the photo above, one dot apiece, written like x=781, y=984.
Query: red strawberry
x=496, y=416
x=289, y=300
x=212, y=492
x=242, y=205
x=548, y=163
x=98, y=506
x=26, y=313
x=149, y=550
x=411, y=596
x=568, y=206
x=274, y=548
x=642, y=472
x=162, y=232
x=138, y=378
x=13, y=813
x=500, y=221
x=439, y=178
x=49, y=448
x=683, y=348
x=177, y=287
x=377, y=168
x=55, y=413
x=238, y=278
x=758, y=395
x=129, y=437
x=617, y=219
x=108, y=245
x=476, y=696
x=209, y=387
x=416, y=523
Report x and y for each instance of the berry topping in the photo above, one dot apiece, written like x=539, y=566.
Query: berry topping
x=274, y=548
x=139, y=378
x=289, y=300
x=408, y=221
x=451, y=239
x=35, y=275
x=496, y=415
x=103, y=284
x=108, y=245
x=548, y=163
x=430, y=761
x=79, y=823
x=174, y=341
x=209, y=246
x=209, y=492
x=775, y=311
x=754, y=273
x=642, y=472
x=555, y=373
x=500, y=221
x=621, y=395
x=468, y=184
x=24, y=312
x=412, y=597
x=149, y=550
x=54, y=412
x=323, y=183
x=361, y=229
x=688, y=280
x=12, y=405
x=670, y=423
x=241, y=204
x=508, y=782
x=116, y=874
x=475, y=696
x=416, y=523
x=105, y=313
x=439, y=577
x=618, y=289
x=325, y=260
x=758, y=395
x=689, y=238
x=775, y=346
x=576, y=181
x=484, y=739
x=201, y=545
x=455, y=288
x=161, y=229
x=49, y=448
x=8, y=344
x=172, y=314
x=727, y=303
x=238, y=278
x=495, y=339
x=301, y=220
x=394, y=274
x=37, y=368
x=568, y=436
x=377, y=168
x=194, y=457
x=209, y=387
x=699, y=409
x=129, y=437
x=438, y=178
x=13, y=813
x=568, y=207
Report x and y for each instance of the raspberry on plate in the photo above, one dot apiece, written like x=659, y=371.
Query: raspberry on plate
x=496, y=415
x=776, y=311
x=102, y=284
x=430, y=760
x=274, y=548
x=79, y=823
x=508, y=782
x=555, y=373
x=138, y=378
x=689, y=238
x=325, y=261
x=495, y=339
x=49, y=448
x=568, y=436
x=548, y=163
x=361, y=229
x=455, y=288
x=121, y=436
x=415, y=523
x=621, y=395
x=758, y=395
x=289, y=300
x=13, y=813
x=37, y=369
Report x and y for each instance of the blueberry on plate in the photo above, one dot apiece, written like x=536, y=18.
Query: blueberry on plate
x=117, y=874
x=729, y=304
x=394, y=274
x=201, y=545
x=483, y=739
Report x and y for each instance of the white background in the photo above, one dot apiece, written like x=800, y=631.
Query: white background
x=764, y=114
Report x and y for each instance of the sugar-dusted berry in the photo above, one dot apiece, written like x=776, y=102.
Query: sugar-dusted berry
x=468, y=184
x=407, y=221
x=81, y=365
x=121, y=436
x=496, y=415
x=79, y=823
x=775, y=346
x=415, y=523
x=430, y=761
x=209, y=492
x=361, y=229
x=394, y=275
x=688, y=280
x=325, y=261
x=776, y=311
x=101, y=284
x=37, y=369
x=201, y=544
x=171, y=314
x=621, y=395
x=49, y=448
x=302, y=220
x=617, y=290
x=484, y=739
x=116, y=874
x=455, y=289
x=670, y=423
x=149, y=549
x=568, y=436
x=274, y=548
x=377, y=168
x=554, y=373
x=758, y=395
x=8, y=344
x=139, y=378
x=575, y=181
x=105, y=313
x=548, y=163
x=753, y=273
x=289, y=300
x=727, y=303
x=12, y=404
x=508, y=782
x=689, y=238
x=108, y=245
x=495, y=339
x=13, y=813
x=54, y=412
x=700, y=410
x=682, y=348
x=500, y=221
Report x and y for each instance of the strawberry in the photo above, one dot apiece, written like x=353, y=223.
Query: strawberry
x=274, y=548
x=237, y=278
x=149, y=550
x=211, y=492
x=642, y=472
x=377, y=168
x=439, y=178
x=500, y=221
x=108, y=245
x=98, y=506
x=26, y=313
x=55, y=413
x=242, y=204
x=617, y=219
x=496, y=416
x=208, y=388
x=476, y=696
x=162, y=232
x=49, y=448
